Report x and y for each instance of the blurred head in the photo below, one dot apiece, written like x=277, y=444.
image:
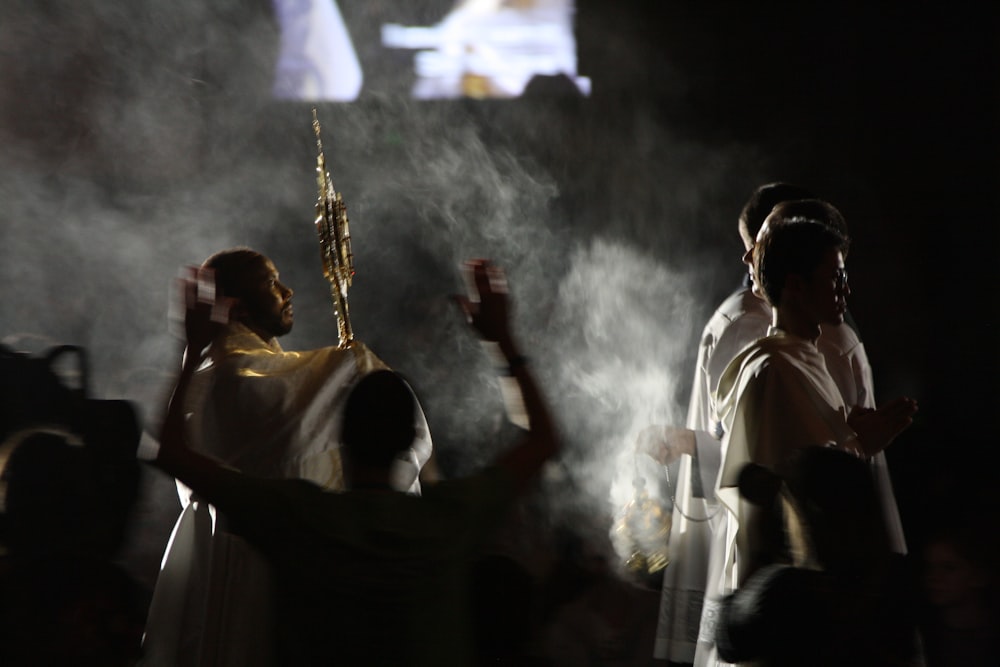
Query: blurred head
x=845, y=529
x=263, y=303
x=817, y=522
x=957, y=568
x=51, y=495
x=379, y=417
x=801, y=265
x=760, y=204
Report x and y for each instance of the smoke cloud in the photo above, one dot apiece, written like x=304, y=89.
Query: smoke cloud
x=141, y=137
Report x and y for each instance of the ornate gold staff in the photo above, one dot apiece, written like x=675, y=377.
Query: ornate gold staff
x=334, y=242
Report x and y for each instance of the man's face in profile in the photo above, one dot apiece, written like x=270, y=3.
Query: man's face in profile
x=748, y=256
x=826, y=290
x=266, y=302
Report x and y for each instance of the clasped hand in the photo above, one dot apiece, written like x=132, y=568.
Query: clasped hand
x=878, y=427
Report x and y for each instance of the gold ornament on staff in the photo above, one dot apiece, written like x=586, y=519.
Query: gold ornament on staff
x=334, y=242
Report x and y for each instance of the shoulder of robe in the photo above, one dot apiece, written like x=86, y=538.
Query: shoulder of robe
x=840, y=337
x=366, y=359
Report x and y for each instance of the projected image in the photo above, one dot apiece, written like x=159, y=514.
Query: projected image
x=317, y=60
x=478, y=49
x=490, y=48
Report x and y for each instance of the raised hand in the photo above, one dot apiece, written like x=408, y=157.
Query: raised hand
x=486, y=307
x=486, y=310
x=206, y=310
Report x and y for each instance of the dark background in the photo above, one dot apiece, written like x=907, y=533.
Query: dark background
x=139, y=137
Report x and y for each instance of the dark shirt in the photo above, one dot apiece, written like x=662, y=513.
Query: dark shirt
x=370, y=577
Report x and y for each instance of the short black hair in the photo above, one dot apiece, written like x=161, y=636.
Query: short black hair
x=379, y=417
x=765, y=198
x=812, y=209
x=231, y=268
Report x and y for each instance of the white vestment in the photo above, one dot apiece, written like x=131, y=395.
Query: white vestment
x=689, y=601
x=774, y=398
x=268, y=413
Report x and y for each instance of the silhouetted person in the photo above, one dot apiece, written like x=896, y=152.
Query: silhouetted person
x=371, y=576
x=66, y=491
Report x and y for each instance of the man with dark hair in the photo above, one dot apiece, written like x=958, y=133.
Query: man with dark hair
x=262, y=302
x=268, y=413
x=777, y=397
x=371, y=576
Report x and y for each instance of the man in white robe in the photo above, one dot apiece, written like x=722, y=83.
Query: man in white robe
x=777, y=396
x=687, y=615
x=268, y=413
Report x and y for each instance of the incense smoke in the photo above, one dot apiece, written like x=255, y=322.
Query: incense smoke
x=141, y=138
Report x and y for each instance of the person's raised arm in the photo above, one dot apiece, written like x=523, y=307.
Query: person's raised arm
x=203, y=474
x=486, y=310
